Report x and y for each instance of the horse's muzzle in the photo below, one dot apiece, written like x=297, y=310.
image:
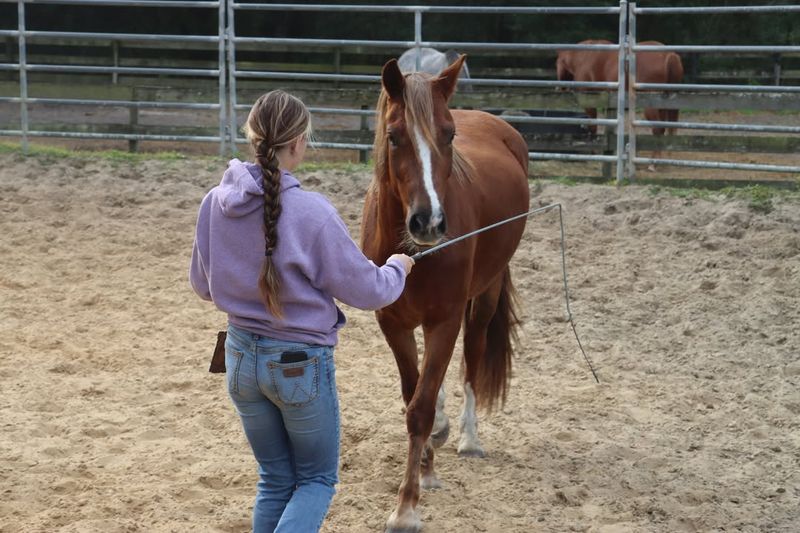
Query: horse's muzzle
x=426, y=230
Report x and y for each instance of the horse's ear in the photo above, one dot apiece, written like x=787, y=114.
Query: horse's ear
x=393, y=80
x=448, y=79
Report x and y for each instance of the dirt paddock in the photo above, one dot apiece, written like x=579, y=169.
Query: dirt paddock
x=688, y=306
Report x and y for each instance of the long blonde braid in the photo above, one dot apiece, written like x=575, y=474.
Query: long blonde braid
x=276, y=119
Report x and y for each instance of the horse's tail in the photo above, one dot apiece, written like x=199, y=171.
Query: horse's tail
x=674, y=75
x=674, y=68
x=494, y=368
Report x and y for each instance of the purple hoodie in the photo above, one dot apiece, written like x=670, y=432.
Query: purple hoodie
x=316, y=260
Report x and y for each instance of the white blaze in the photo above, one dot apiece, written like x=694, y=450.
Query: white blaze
x=424, y=153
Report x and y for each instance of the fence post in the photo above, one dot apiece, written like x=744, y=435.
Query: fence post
x=623, y=19
x=609, y=137
x=362, y=154
x=115, y=58
x=23, y=75
x=223, y=110
x=631, y=116
x=231, y=32
x=337, y=65
x=418, y=39
x=776, y=68
x=133, y=121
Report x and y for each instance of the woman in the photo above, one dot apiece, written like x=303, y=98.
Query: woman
x=273, y=257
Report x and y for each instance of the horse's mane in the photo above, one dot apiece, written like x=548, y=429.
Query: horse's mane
x=419, y=111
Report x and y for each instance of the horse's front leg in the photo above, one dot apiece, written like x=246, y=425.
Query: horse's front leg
x=440, y=339
x=404, y=347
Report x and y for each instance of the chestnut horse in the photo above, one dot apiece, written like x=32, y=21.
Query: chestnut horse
x=440, y=174
x=602, y=65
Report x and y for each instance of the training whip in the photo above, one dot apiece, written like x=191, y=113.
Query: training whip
x=420, y=255
x=416, y=257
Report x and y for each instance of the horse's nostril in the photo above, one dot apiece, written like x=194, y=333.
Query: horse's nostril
x=415, y=224
x=442, y=227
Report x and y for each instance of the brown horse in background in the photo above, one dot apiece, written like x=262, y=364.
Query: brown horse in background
x=440, y=174
x=602, y=65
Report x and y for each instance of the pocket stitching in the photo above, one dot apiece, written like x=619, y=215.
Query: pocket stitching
x=235, y=377
x=313, y=394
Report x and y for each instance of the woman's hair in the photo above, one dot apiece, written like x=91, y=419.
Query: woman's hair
x=276, y=120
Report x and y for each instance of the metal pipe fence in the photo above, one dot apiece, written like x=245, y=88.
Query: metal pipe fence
x=418, y=11
x=228, y=72
x=633, y=13
x=24, y=35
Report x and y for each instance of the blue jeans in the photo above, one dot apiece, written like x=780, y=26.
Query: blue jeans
x=290, y=415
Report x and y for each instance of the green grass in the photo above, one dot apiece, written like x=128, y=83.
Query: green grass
x=688, y=193
x=119, y=156
x=347, y=166
x=759, y=198
x=53, y=152
x=565, y=180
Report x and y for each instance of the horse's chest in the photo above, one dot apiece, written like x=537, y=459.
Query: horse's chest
x=432, y=292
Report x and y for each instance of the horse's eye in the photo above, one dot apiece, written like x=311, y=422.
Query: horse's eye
x=392, y=138
x=450, y=136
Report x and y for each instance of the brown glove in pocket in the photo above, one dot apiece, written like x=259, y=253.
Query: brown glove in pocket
x=218, y=359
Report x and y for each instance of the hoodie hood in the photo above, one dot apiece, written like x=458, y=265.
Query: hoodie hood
x=241, y=190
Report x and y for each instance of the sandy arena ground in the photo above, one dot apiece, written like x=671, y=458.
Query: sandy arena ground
x=110, y=422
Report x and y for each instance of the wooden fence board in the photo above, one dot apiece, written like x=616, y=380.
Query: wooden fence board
x=719, y=143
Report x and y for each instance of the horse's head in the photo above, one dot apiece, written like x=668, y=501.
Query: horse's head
x=414, y=146
x=564, y=70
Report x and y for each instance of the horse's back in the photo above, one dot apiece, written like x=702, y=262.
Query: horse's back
x=499, y=156
x=488, y=141
x=595, y=65
x=498, y=190
x=603, y=65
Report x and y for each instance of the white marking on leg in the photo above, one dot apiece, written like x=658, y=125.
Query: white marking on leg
x=440, y=418
x=428, y=480
x=404, y=519
x=424, y=153
x=468, y=443
x=441, y=423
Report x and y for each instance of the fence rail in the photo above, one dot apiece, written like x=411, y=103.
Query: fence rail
x=23, y=67
x=633, y=13
x=230, y=71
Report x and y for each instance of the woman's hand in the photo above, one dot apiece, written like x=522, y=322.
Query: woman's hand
x=407, y=262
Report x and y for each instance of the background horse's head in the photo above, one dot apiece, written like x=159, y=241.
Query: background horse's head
x=564, y=66
x=414, y=150
x=432, y=61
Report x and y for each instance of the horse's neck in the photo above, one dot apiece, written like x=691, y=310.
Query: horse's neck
x=385, y=221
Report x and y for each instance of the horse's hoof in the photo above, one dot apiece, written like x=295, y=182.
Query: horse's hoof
x=440, y=436
x=430, y=482
x=471, y=451
x=408, y=522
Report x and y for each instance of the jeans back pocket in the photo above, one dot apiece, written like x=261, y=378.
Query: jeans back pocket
x=295, y=384
x=233, y=363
